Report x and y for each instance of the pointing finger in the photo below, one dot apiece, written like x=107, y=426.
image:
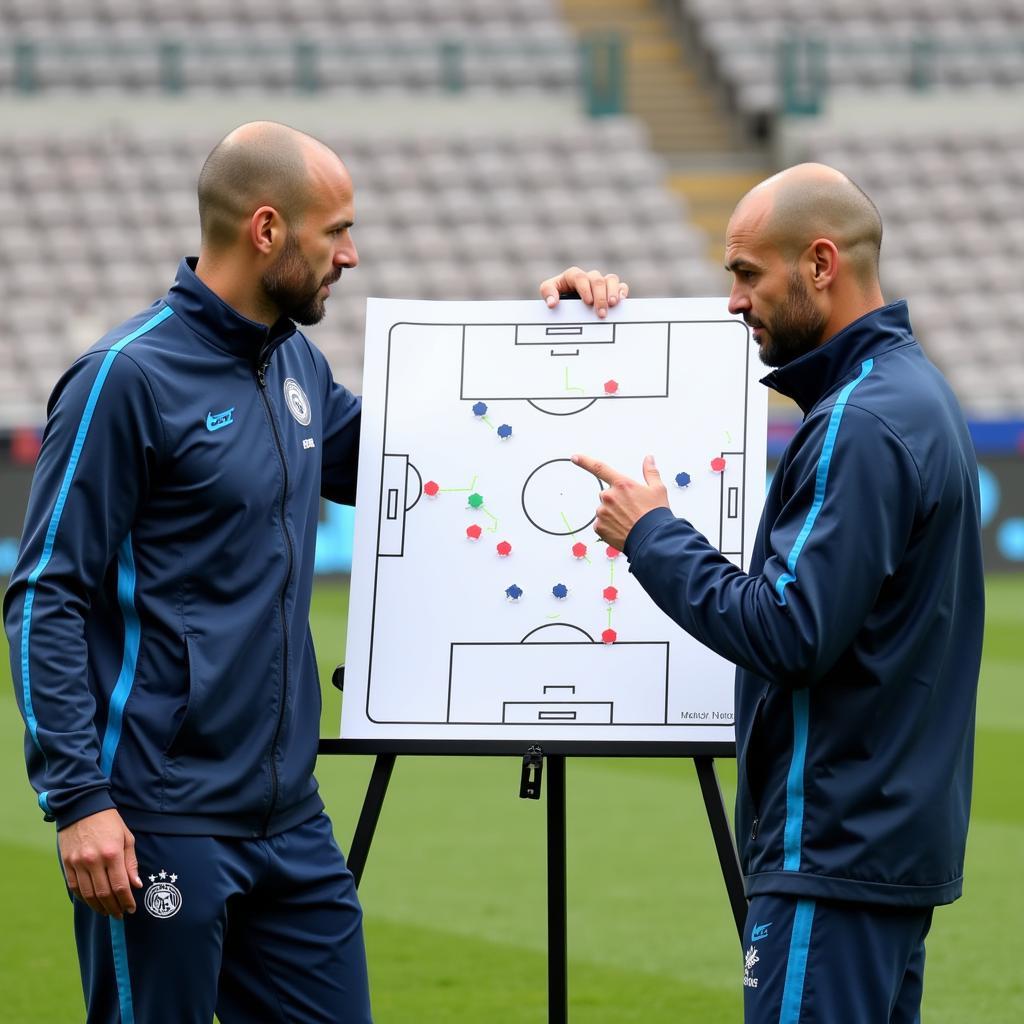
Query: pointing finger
x=599, y=469
x=651, y=475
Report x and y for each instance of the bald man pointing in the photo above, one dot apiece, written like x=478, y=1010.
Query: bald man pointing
x=857, y=631
x=158, y=617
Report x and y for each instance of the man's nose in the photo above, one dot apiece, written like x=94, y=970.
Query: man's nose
x=738, y=300
x=347, y=256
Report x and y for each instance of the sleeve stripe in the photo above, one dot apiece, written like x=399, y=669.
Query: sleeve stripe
x=820, y=480
x=58, y=509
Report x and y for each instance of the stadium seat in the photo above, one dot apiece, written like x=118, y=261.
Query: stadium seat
x=100, y=232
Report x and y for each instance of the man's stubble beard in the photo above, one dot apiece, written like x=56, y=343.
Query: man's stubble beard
x=292, y=286
x=794, y=329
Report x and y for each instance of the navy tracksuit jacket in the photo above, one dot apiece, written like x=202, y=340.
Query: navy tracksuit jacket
x=158, y=611
x=857, y=632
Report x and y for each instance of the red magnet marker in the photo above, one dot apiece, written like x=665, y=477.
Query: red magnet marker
x=609, y=636
x=430, y=489
x=473, y=532
x=504, y=549
x=717, y=464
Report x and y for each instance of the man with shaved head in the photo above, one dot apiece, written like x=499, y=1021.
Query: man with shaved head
x=158, y=617
x=856, y=632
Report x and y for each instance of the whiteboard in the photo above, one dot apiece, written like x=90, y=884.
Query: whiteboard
x=483, y=607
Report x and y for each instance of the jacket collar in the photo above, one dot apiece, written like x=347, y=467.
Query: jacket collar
x=212, y=318
x=813, y=375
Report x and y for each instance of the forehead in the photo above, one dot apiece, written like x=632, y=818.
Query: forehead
x=331, y=191
x=747, y=238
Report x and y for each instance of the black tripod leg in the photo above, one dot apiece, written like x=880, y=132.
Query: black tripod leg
x=722, y=833
x=367, y=824
x=558, y=986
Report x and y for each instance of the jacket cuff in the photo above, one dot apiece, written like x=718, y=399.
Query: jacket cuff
x=93, y=802
x=643, y=528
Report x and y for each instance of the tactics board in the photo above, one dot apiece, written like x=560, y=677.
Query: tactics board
x=483, y=606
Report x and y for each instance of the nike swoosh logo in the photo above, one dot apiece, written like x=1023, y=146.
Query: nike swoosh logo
x=759, y=931
x=218, y=420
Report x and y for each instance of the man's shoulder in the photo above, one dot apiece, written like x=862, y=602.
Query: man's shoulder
x=123, y=359
x=909, y=394
x=900, y=390
x=129, y=334
x=903, y=405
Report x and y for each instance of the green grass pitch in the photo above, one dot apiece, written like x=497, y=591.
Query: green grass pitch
x=454, y=887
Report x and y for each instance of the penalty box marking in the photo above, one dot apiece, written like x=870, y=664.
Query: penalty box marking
x=488, y=681
x=514, y=361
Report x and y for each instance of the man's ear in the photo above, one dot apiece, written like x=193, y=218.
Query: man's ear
x=266, y=228
x=824, y=256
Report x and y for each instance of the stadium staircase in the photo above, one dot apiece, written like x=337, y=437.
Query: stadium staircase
x=680, y=115
x=711, y=195
x=710, y=161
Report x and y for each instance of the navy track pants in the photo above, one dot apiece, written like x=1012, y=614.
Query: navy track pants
x=812, y=961
x=256, y=930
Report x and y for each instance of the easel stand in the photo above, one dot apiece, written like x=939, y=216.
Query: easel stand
x=530, y=788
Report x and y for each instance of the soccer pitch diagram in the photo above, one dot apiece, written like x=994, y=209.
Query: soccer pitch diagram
x=483, y=605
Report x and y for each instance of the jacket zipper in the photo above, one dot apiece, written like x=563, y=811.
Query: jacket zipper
x=261, y=379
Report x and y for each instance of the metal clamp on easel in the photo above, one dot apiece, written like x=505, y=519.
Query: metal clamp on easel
x=533, y=772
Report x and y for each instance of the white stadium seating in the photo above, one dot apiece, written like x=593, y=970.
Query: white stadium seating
x=94, y=229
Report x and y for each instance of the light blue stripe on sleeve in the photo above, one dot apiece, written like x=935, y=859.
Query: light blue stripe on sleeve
x=58, y=509
x=44, y=803
x=124, y=982
x=129, y=659
x=820, y=480
x=795, y=783
x=796, y=966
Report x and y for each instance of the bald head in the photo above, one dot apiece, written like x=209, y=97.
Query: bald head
x=261, y=163
x=810, y=201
